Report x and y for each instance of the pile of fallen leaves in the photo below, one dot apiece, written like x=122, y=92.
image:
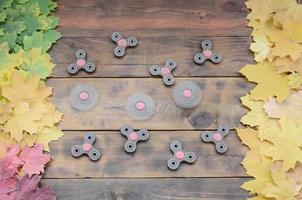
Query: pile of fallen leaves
x=28, y=118
x=274, y=122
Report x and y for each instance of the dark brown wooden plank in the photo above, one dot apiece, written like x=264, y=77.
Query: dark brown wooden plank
x=220, y=104
x=150, y=159
x=150, y=51
x=90, y=18
x=149, y=189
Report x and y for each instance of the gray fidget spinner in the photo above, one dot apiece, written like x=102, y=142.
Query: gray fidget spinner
x=83, y=97
x=207, y=54
x=179, y=155
x=122, y=43
x=165, y=72
x=133, y=137
x=217, y=137
x=87, y=148
x=187, y=94
x=81, y=63
x=140, y=106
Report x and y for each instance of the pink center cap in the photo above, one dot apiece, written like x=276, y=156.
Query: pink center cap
x=122, y=42
x=179, y=154
x=187, y=93
x=140, y=105
x=217, y=137
x=207, y=53
x=133, y=136
x=165, y=71
x=83, y=95
x=81, y=62
x=87, y=147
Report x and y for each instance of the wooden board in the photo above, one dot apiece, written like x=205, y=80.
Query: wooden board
x=150, y=159
x=220, y=104
x=149, y=189
x=150, y=51
x=93, y=18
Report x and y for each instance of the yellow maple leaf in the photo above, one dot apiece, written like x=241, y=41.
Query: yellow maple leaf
x=8, y=61
x=295, y=80
x=256, y=115
x=25, y=89
x=269, y=82
x=23, y=119
x=261, y=47
x=287, y=144
x=286, y=64
x=291, y=108
x=282, y=187
x=47, y=135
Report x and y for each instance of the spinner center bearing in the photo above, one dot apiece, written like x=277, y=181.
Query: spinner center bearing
x=83, y=97
x=140, y=106
x=187, y=94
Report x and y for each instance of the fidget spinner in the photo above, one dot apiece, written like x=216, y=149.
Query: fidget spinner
x=87, y=148
x=133, y=137
x=140, y=106
x=217, y=138
x=187, y=94
x=165, y=72
x=81, y=63
x=83, y=97
x=122, y=43
x=207, y=54
x=179, y=156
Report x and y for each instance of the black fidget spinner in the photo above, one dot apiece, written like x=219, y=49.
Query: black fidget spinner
x=87, y=148
x=217, y=137
x=81, y=63
x=207, y=54
x=165, y=72
x=133, y=137
x=179, y=156
x=122, y=43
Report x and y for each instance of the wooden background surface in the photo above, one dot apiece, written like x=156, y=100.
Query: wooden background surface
x=166, y=29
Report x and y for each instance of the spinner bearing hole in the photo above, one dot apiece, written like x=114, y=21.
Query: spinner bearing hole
x=190, y=157
x=221, y=147
x=77, y=150
x=187, y=93
x=175, y=145
x=173, y=163
x=94, y=154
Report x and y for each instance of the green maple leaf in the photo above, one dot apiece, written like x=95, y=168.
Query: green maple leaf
x=5, y=3
x=41, y=40
x=46, y=6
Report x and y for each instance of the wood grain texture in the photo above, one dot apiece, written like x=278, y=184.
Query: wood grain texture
x=150, y=51
x=149, y=189
x=149, y=160
x=94, y=18
x=220, y=104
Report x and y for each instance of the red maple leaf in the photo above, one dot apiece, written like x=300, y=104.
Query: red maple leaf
x=10, y=163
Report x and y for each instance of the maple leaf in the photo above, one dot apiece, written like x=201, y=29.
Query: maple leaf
x=7, y=187
x=269, y=83
x=287, y=144
x=256, y=115
x=25, y=89
x=8, y=61
x=10, y=163
x=36, y=62
x=291, y=108
x=282, y=187
x=47, y=135
x=34, y=159
x=27, y=188
x=41, y=40
x=24, y=119
x=286, y=64
x=295, y=80
x=261, y=47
